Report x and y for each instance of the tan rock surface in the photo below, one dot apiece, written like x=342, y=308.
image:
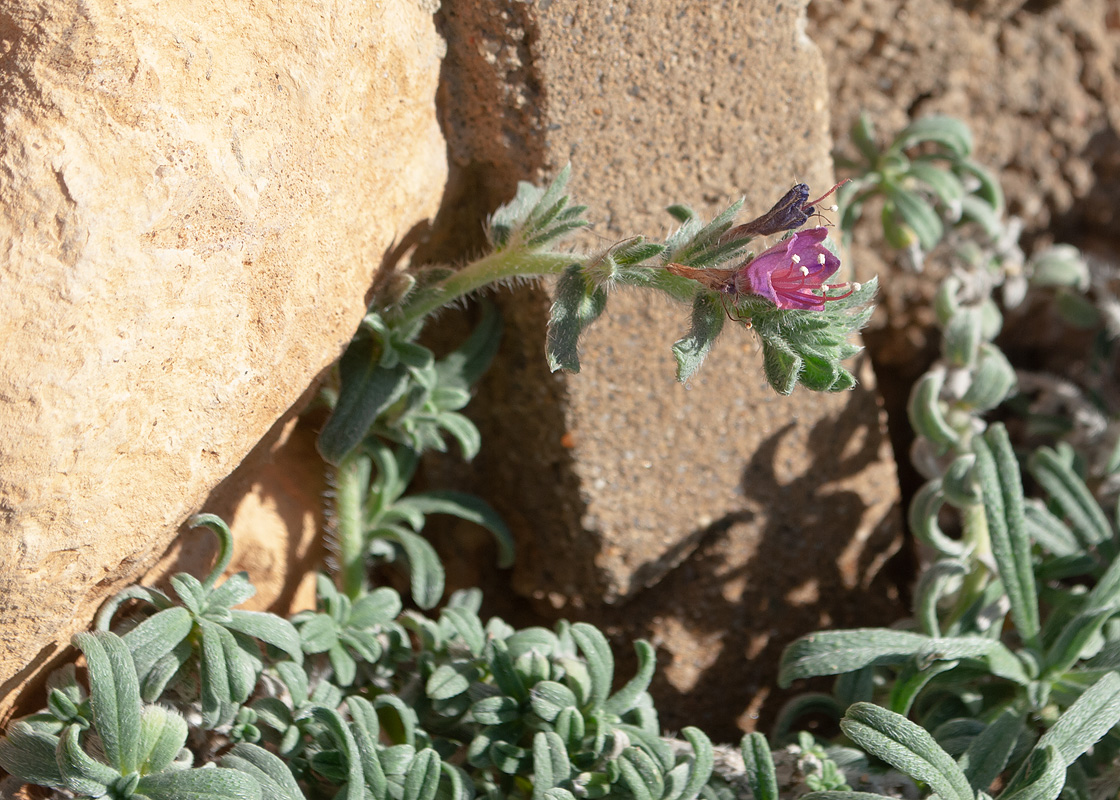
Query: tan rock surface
x=196, y=197
x=702, y=512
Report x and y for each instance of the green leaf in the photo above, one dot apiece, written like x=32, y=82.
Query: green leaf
x=463, y=431
x=366, y=390
x=998, y=474
x=640, y=774
x=422, y=780
x=600, y=660
x=551, y=763
x=446, y=682
x=81, y=773
x=918, y=214
x=989, y=190
x=941, y=182
x=1087, y=720
x=218, y=783
x=269, y=628
x=1065, y=487
x=836, y=652
x=863, y=137
x=993, y=380
x=989, y=752
x=469, y=507
x=162, y=735
x=549, y=698
x=907, y=747
x=270, y=772
x=577, y=304
x=114, y=697
x=157, y=636
x=216, y=675
x=981, y=212
x=758, y=767
x=780, y=364
x=468, y=627
x=949, y=132
x=340, y=732
x=234, y=591
x=425, y=570
x=1041, y=777
x=365, y=728
x=702, y=764
x=707, y=322
x=29, y=755
x=631, y=694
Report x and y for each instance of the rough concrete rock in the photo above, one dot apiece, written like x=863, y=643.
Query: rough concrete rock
x=196, y=196
x=618, y=481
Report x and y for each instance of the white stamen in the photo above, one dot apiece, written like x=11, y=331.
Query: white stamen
x=805, y=271
x=796, y=258
x=834, y=208
x=820, y=259
x=856, y=286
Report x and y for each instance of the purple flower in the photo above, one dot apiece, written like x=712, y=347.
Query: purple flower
x=791, y=273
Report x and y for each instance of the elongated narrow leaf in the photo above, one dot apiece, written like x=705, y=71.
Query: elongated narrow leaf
x=469, y=507
x=838, y=795
x=577, y=304
x=551, y=764
x=907, y=747
x=162, y=735
x=355, y=787
x=424, y=568
x=114, y=697
x=269, y=771
x=1041, y=777
x=29, y=755
x=269, y=628
x=81, y=773
x=1001, y=485
x=836, y=652
x=469, y=361
x=988, y=753
x=218, y=783
x=365, y=728
x=758, y=767
x=1087, y=720
x=949, y=132
x=1088, y=522
x=919, y=215
x=707, y=322
x=628, y=696
x=422, y=780
x=600, y=660
x=367, y=389
x=157, y=636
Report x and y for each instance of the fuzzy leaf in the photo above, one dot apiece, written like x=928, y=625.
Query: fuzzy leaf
x=949, y=132
x=157, y=636
x=114, y=697
x=989, y=752
x=758, y=767
x=162, y=735
x=600, y=660
x=629, y=695
x=29, y=755
x=576, y=305
x=469, y=507
x=366, y=389
x=269, y=628
x=270, y=772
x=425, y=570
x=707, y=322
x=218, y=783
x=907, y=747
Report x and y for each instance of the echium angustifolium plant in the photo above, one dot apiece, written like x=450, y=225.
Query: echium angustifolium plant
x=1009, y=663
x=361, y=699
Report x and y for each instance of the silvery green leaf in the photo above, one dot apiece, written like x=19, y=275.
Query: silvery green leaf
x=463, y=431
x=343, y=664
x=907, y=747
x=1060, y=265
x=707, y=322
x=269, y=628
x=234, y=591
x=990, y=750
x=366, y=389
x=780, y=364
x=758, y=767
x=981, y=212
x=863, y=137
x=922, y=519
x=471, y=508
x=938, y=580
x=266, y=769
x=425, y=570
x=551, y=763
x=162, y=735
x=1077, y=503
x=509, y=758
x=447, y=681
x=114, y=697
x=29, y=755
x=467, y=626
x=628, y=696
x=218, y=783
x=1041, y=777
x=988, y=188
x=918, y=214
x=81, y=773
x=702, y=764
x=960, y=340
x=219, y=671
x=941, y=182
x=379, y=607
x=401, y=724
x=640, y=774
x=993, y=380
x=340, y=732
x=1086, y=721
x=949, y=132
x=549, y=698
x=925, y=412
x=836, y=652
x=577, y=303
x=422, y=780
x=157, y=636
x=190, y=591
x=599, y=659
x=998, y=474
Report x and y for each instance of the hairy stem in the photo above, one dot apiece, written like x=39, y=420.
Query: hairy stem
x=351, y=481
x=494, y=268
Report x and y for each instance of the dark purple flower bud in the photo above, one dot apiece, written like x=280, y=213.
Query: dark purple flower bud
x=792, y=211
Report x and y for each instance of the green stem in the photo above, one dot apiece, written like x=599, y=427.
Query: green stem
x=496, y=267
x=225, y=544
x=976, y=536
x=351, y=484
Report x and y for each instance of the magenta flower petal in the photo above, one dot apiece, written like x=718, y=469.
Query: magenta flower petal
x=789, y=273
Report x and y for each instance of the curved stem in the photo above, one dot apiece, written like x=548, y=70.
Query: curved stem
x=225, y=544
x=493, y=268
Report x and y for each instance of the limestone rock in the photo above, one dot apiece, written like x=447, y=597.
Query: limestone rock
x=196, y=197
